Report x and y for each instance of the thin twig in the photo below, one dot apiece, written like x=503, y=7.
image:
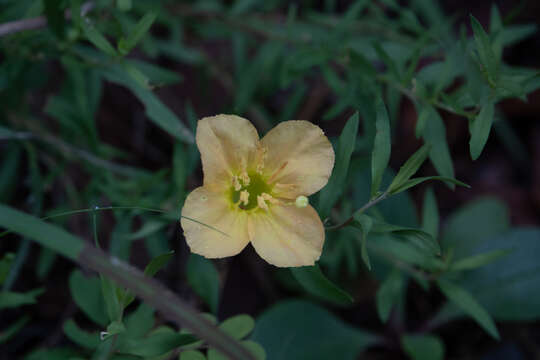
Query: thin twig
x=359, y=211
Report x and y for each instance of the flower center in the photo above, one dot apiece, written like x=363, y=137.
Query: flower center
x=249, y=190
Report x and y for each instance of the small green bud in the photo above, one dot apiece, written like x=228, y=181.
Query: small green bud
x=301, y=201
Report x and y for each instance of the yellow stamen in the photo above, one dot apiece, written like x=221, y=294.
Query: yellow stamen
x=245, y=178
x=244, y=197
x=236, y=183
x=262, y=203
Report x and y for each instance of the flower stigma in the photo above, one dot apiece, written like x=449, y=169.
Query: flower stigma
x=250, y=191
x=301, y=201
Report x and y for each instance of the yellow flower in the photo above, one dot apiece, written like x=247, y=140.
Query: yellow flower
x=250, y=190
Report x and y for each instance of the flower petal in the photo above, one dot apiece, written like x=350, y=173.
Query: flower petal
x=216, y=229
x=226, y=143
x=287, y=236
x=300, y=158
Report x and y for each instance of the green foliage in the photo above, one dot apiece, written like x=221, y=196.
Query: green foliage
x=318, y=334
x=96, y=108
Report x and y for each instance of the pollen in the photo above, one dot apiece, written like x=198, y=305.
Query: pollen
x=247, y=188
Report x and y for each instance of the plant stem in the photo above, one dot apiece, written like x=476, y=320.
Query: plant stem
x=369, y=204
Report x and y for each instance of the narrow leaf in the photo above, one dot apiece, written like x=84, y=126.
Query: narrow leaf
x=480, y=128
x=485, y=51
x=137, y=33
x=464, y=300
x=413, y=182
x=96, y=38
x=365, y=223
x=430, y=214
x=410, y=168
x=423, y=347
x=476, y=261
x=388, y=294
x=381, y=146
x=314, y=282
x=345, y=147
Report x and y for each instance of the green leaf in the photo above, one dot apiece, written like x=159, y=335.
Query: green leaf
x=157, y=344
x=256, y=350
x=314, y=282
x=435, y=135
x=510, y=287
x=388, y=294
x=317, y=334
x=480, y=128
x=423, y=347
x=413, y=182
x=9, y=169
x=474, y=224
x=5, y=266
x=476, y=261
x=466, y=302
x=139, y=322
x=57, y=239
x=158, y=263
x=9, y=299
x=421, y=239
x=192, y=355
x=381, y=146
x=142, y=27
x=96, y=38
x=365, y=223
x=80, y=337
x=485, y=51
x=203, y=277
x=54, y=11
x=410, y=168
x=13, y=329
x=160, y=114
x=86, y=292
x=345, y=147
x=238, y=326
x=430, y=214
x=111, y=297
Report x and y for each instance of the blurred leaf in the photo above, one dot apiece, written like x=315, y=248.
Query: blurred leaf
x=256, y=350
x=157, y=75
x=80, y=337
x=54, y=11
x=345, y=147
x=192, y=355
x=113, y=304
x=13, y=329
x=203, y=277
x=421, y=239
x=158, y=263
x=238, y=326
x=45, y=262
x=315, y=283
x=476, y=261
x=5, y=265
x=430, y=214
x=139, y=322
x=423, y=347
x=59, y=353
x=136, y=34
x=480, y=128
x=365, y=223
x=388, y=294
x=86, y=292
x=96, y=38
x=156, y=344
x=9, y=299
x=9, y=168
x=410, y=168
x=295, y=330
x=485, y=52
x=160, y=114
x=381, y=146
x=466, y=302
x=435, y=135
x=473, y=224
x=508, y=288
